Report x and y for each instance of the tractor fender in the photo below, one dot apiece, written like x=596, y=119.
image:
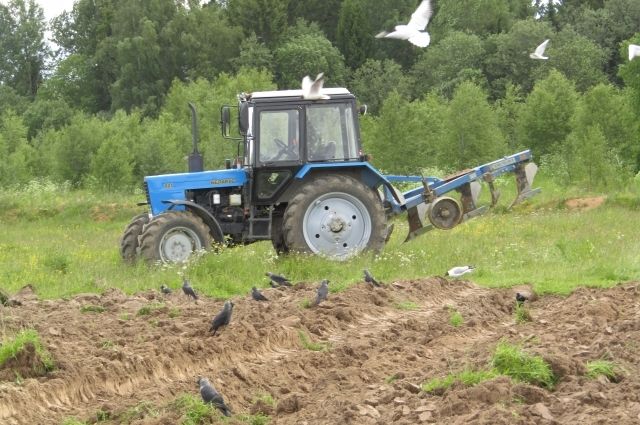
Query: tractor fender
x=210, y=220
x=363, y=171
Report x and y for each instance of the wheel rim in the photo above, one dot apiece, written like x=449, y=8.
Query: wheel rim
x=337, y=225
x=178, y=244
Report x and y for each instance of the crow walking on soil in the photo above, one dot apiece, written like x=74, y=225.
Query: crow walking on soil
x=211, y=395
x=165, y=289
x=279, y=280
x=520, y=298
x=323, y=292
x=257, y=295
x=370, y=279
x=188, y=290
x=223, y=318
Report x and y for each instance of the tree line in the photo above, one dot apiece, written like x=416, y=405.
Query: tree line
x=105, y=104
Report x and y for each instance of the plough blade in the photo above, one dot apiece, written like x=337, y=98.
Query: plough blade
x=525, y=173
x=418, y=224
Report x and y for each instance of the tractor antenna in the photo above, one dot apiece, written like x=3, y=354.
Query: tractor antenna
x=195, y=158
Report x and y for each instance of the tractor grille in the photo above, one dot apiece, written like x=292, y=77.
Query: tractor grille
x=145, y=186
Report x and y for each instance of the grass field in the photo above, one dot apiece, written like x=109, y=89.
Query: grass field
x=66, y=242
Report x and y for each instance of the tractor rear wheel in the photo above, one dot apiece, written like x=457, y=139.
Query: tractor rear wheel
x=334, y=216
x=172, y=237
x=129, y=241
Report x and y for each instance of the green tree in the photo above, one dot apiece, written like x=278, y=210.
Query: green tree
x=23, y=51
x=608, y=109
x=630, y=73
x=578, y=58
x=545, y=119
x=590, y=161
x=375, y=80
x=473, y=133
x=507, y=60
x=443, y=66
x=18, y=156
x=44, y=114
x=266, y=18
x=324, y=12
x=254, y=54
x=354, y=34
x=112, y=165
x=308, y=55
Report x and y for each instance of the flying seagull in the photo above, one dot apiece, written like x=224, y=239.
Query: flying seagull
x=277, y=279
x=634, y=51
x=223, y=318
x=165, y=289
x=188, y=290
x=459, y=271
x=210, y=395
x=323, y=292
x=311, y=90
x=257, y=295
x=414, y=31
x=370, y=279
x=539, y=53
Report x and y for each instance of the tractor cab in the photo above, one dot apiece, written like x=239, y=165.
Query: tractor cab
x=281, y=132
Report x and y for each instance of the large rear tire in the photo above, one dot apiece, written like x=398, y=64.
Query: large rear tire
x=172, y=237
x=334, y=216
x=129, y=242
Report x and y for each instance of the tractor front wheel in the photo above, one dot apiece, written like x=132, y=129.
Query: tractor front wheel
x=334, y=216
x=129, y=241
x=172, y=237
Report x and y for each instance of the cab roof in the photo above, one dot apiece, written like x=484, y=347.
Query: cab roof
x=295, y=93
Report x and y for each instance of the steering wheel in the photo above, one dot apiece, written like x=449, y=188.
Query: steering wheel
x=284, y=149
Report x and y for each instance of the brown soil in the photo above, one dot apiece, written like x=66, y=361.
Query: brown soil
x=378, y=356
x=585, y=204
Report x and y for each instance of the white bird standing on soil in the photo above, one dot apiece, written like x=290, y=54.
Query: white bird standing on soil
x=539, y=52
x=414, y=31
x=634, y=51
x=311, y=90
x=211, y=395
x=459, y=271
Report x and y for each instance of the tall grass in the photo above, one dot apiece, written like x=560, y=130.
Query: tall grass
x=65, y=242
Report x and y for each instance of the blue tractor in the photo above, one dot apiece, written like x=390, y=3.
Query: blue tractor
x=300, y=180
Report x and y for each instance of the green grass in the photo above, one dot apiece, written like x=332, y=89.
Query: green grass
x=455, y=318
x=265, y=398
x=92, y=309
x=512, y=361
x=306, y=342
x=66, y=242
x=194, y=410
x=12, y=347
x=149, y=308
x=605, y=368
x=466, y=377
x=406, y=305
x=521, y=314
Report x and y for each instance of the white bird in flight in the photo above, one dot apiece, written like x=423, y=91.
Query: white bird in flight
x=634, y=51
x=312, y=89
x=414, y=30
x=459, y=271
x=539, y=53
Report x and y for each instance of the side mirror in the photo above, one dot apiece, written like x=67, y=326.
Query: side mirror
x=225, y=121
x=363, y=109
x=243, y=119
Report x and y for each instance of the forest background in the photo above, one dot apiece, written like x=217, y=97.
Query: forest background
x=106, y=103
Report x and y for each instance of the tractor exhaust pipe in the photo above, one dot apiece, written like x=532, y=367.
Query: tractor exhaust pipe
x=195, y=158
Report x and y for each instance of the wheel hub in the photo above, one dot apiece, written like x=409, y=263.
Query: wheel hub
x=337, y=225
x=178, y=244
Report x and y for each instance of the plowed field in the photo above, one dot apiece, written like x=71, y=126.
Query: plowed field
x=381, y=345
